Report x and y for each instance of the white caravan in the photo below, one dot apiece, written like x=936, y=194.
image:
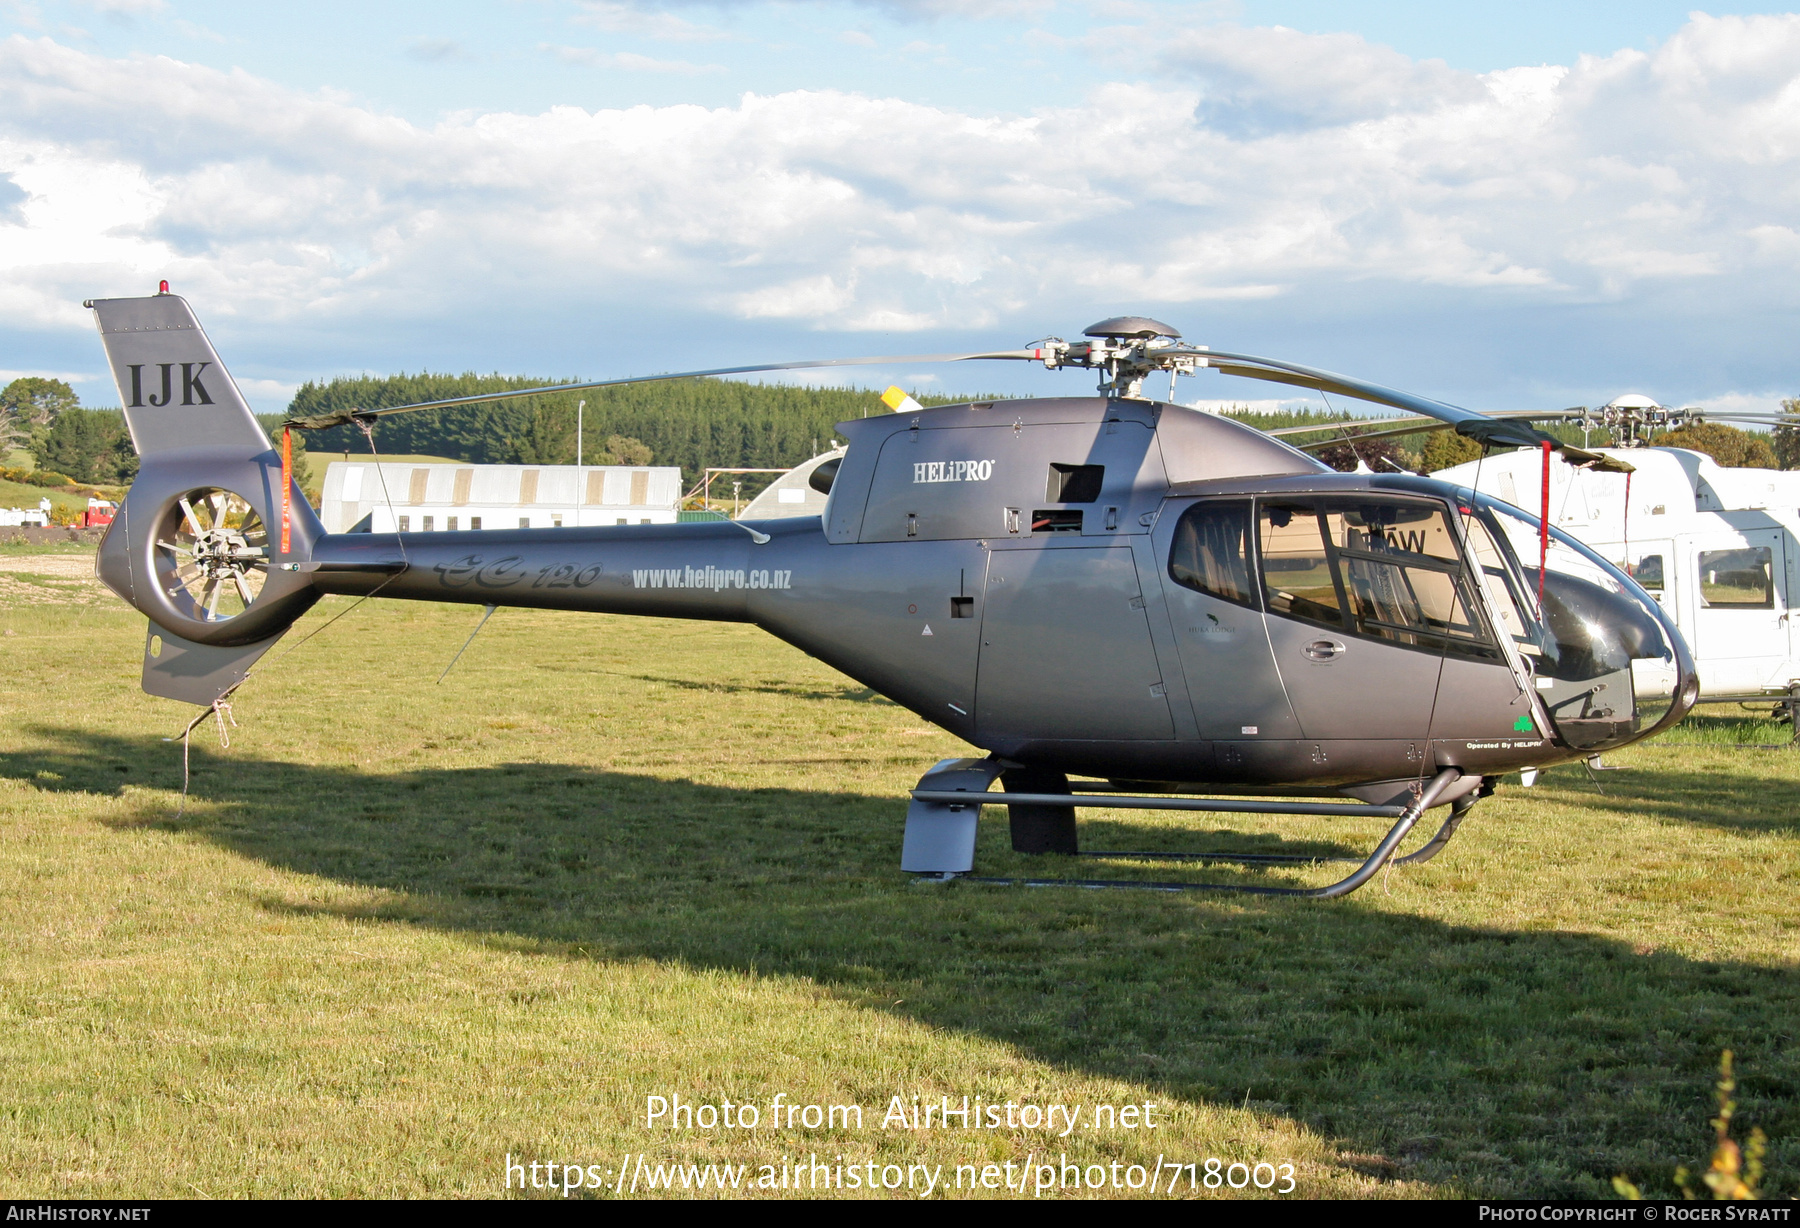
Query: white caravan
x=1716, y=547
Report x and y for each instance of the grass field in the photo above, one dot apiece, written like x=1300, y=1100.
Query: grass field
x=17, y=494
x=402, y=930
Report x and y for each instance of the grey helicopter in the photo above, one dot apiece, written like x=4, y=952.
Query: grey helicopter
x=1176, y=609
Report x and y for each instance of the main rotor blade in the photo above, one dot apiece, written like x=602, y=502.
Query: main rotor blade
x=514, y=394
x=1426, y=424
x=1318, y=445
x=1485, y=428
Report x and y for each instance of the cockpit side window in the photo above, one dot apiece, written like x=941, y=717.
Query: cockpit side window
x=1211, y=552
x=1298, y=579
x=1510, y=601
x=1379, y=568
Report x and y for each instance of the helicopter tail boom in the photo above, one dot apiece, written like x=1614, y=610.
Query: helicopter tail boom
x=712, y=571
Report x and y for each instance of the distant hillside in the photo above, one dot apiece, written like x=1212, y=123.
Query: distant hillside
x=692, y=423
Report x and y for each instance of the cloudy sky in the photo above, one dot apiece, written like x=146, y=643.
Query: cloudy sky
x=1502, y=205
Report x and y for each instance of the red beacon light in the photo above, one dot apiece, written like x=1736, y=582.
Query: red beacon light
x=162, y=287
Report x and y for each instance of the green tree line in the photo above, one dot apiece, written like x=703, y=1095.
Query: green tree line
x=45, y=418
x=693, y=423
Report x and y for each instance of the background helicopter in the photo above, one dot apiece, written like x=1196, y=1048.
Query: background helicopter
x=1109, y=586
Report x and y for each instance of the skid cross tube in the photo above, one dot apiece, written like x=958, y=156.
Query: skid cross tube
x=1248, y=859
x=961, y=797
x=1405, y=818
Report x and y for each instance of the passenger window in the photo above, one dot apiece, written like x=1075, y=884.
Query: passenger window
x=1297, y=574
x=1647, y=571
x=1740, y=579
x=1212, y=551
x=1384, y=570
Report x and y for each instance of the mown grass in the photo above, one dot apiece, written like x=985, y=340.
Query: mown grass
x=404, y=929
x=18, y=494
x=1731, y=724
x=12, y=546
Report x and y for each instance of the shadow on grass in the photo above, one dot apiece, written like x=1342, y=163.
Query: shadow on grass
x=1720, y=797
x=855, y=694
x=1729, y=725
x=1530, y=1063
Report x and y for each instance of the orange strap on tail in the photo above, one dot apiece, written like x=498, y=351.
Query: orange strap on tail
x=287, y=487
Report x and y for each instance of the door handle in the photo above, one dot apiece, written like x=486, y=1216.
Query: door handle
x=1324, y=650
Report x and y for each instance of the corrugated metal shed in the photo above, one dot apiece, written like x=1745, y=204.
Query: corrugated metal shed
x=416, y=498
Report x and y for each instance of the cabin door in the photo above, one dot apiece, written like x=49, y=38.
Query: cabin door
x=1065, y=649
x=1231, y=676
x=1738, y=580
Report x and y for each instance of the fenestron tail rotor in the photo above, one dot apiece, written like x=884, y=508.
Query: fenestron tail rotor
x=212, y=554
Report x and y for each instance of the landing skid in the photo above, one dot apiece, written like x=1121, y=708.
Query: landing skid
x=940, y=828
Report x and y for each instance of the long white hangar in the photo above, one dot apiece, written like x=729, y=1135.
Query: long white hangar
x=413, y=498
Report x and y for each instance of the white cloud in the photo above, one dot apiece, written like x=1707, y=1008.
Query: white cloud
x=630, y=61
x=199, y=32
x=806, y=299
x=645, y=20
x=125, y=10
x=7, y=376
x=1258, y=80
x=1621, y=178
x=436, y=50
x=652, y=16
x=265, y=392
x=1765, y=402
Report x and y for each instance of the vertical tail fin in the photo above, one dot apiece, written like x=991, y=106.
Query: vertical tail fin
x=176, y=392
x=192, y=546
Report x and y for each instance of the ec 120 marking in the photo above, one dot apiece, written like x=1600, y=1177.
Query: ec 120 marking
x=506, y=572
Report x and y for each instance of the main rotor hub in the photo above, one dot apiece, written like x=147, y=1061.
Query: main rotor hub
x=1633, y=418
x=1126, y=349
x=1120, y=327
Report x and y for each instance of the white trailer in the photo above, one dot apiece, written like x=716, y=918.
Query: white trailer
x=1716, y=547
